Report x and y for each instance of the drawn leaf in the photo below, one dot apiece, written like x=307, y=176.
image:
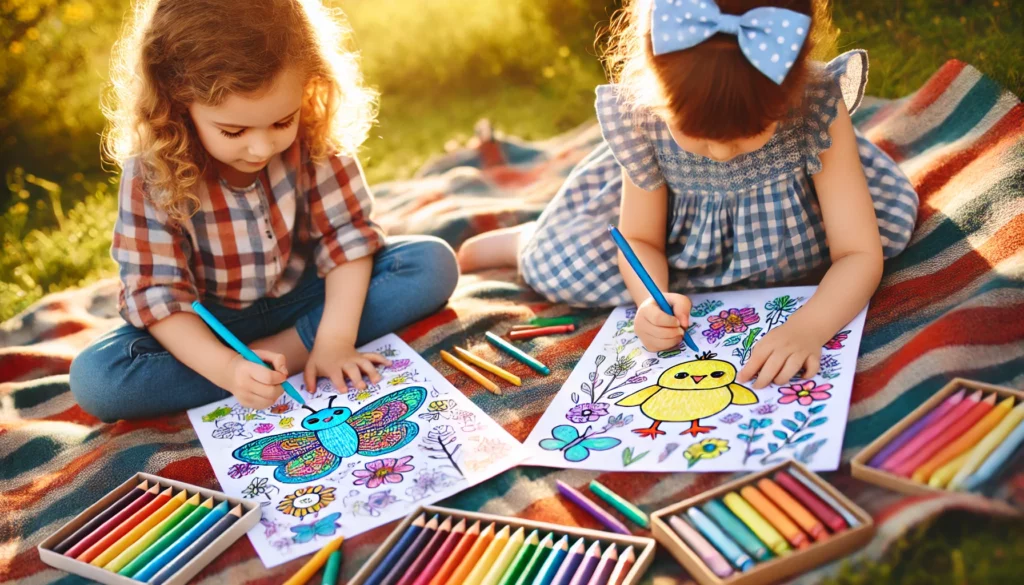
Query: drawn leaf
x=745, y=426
x=614, y=395
x=817, y=409
x=790, y=425
x=756, y=438
x=817, y=422
x=772, y=447
x=779, y=434
x=806, y=454
x=732, y=340
x=803, y=438
x=743, y=437
x=575, y=398
x=800, y=416
x=749, y=341
x=757, y=452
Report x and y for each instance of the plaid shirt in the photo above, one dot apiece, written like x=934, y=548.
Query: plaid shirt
x=242, y=244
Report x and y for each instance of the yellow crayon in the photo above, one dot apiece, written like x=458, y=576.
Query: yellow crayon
x=476, y=576
x=942, y=475
x=984, y=448
x=756, y=522
x=143, y=527
x=486, y=365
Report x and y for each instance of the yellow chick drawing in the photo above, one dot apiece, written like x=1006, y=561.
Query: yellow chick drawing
x=690, y=391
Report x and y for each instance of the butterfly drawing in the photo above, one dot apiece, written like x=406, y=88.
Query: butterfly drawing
x=574, y=446
x=837, y=341
x=325, y=526
x=334, y=433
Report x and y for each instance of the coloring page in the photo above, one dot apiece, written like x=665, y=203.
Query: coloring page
x=351, y=461
x=626, y=409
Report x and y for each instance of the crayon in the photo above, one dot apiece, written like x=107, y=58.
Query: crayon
x=570, y=563
x=987, y=445
x=141, y=527
x=186, y=556
x=995, y=462
x=801, y=515
x=424, y=556
x=536, y=560
x=720, y=540
x=389, y=560
x=550, y=321
x=699, y=545
x=94, y=523
x=587, y=566
x=110, y=524
x=910, y=432
x=824, y=496
x=627, y=509
x=488, y=366
x=489, y=556
x=184, y=541
x=609, y=559
x=437, y=559
x=517, y=353
x=397, y=571
x=945, y=436
x=1003, y=474
x=473, y=374
x=940, y=479
x=331, y=569
x=736, y=529
x=512, y=571
x=504, y=559
x=621, y=570
x=306, y=572
x=756, y=523
x=928, y=434
x=191, y=519
x=823, y=511
x=540, y=332
x=457, y=554
x=963, y=442
x=473, y=555
x=776, y=517
x=149, y=537
x=547, y=571
x=611, y=522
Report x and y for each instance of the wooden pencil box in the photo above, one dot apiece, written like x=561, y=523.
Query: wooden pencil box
x=644, y=547
x=859, y=464
x=778, y=568
x=250, y=518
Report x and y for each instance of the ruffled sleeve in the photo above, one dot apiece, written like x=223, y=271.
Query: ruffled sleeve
x=842, y=78
x=631, y=148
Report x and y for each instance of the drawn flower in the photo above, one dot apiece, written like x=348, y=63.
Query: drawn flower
x=264, y=428
x=306, y=500
x=382, y=471
x=356, y=395
x=731, y=321
x=430, y=481
x=763, y=409
x=805, y=393
x=286, y=422
x=731, y=418
x=399, y=365
x=282, y=407
x=837, y=341
x=240, y=470
x=441, y=405
x=230, y=430
x=216, y=414
x=589, y=412
x=706, y=449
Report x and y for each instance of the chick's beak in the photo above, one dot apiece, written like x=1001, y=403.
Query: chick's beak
x=697, y=379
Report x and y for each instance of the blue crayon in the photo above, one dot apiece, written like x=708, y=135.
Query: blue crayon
x=996, y=460
x=551, y=564
x=388, y=562
x=739, y=532
x=152, y=567
x=720, y=540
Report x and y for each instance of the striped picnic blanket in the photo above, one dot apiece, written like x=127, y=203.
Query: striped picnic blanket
x=948, y=306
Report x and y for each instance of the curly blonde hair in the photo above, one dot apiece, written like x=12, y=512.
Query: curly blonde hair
x=173, y=53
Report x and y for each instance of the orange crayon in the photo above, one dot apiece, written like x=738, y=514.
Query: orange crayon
x=144, y=526
x=946, y=435
x=928, y=434
x=965, y=441
x=472, y=556
x=775, y=517
x=456, y=556
x=781, y=498
x=125, y=527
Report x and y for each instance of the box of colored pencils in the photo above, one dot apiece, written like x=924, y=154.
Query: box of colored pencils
x=762, y=527
x=439, y=546
x=149, y=530
x=964, y=438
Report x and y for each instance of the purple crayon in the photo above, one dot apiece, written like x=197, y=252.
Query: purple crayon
x=910, y=432
x=570, y=564
x=588, y=566
x=603, y=572
x=610, y=522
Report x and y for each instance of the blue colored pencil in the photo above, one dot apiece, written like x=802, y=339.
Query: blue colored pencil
x=551, y=564
x=572, y=561
x=645, y=277
x=198, y=546
x=240, y=347
x=720, y=540
x=388, y=562
x=152, y=567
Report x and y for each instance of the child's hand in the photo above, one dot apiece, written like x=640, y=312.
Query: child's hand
x=338, y=361
x=657, y=329
x=781, y=354
x=257, y=386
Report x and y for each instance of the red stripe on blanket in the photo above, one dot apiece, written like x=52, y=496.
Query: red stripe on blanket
x=934, y=87
x=25, y=365
x=425, y=326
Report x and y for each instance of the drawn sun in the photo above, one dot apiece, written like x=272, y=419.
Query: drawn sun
x=307, y=500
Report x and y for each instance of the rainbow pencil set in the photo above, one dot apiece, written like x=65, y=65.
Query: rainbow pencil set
x=762, y=528
x=964, y=438
x=442, y=546
x=149, y=530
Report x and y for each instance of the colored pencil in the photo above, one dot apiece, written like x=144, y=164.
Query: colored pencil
x=794, y=509
x=996, y=461
x=912, y=431
x=963, y=442
x=75, y=537
x=549, y=321
x=313, y=565
x=720, y=540
x=514, y=568
x=149, y=537
x=332, y=569
x=240, y=347
x=756, y=523
x=775, y=516
x=627, y=509
x=587, y=566
x=397, y=571
x=927, y=435
x=533, y=564
x=603, y=572
x=626, y=561
x=645, y=277
x=540, y=332
x=487, y=559
x=473, y=555
x=488, y=366
x=1010, y=467
x=456, y=555
x=824, y=496
x=424, y=556
x=940, y=479
x=389, y=560
x=570, y=563
x=823, y=511
x=423, y=577
x=196, y=514
x=110, y=524
x=184, y=541
x=699, y=545
x=504, y=559
x=516, y=353
x=144, y=524
x=547, y=571
x=946, y=436
x=588, y=506
x=736, y=529
x=987, y=445
x=473, y=374
x=198, y=546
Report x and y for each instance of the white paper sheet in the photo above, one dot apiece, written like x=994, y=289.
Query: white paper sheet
x=449, y=445
x=739, y=429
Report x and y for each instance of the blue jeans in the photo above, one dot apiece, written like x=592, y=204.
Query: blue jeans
x=127, y=374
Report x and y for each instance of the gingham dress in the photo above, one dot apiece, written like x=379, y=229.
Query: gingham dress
x=747, y=222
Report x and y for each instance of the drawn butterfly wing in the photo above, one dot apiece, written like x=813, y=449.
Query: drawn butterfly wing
x=388, y=409
x=308, y=466
x=277, y=448
x=325, y=526
x=580, y=452
x=303, y=533
x=378, y=441
x=563, y=435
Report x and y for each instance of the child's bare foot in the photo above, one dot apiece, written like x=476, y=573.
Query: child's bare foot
x=494, y=249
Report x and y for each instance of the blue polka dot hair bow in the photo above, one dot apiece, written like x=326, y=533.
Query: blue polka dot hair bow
x=769, y=37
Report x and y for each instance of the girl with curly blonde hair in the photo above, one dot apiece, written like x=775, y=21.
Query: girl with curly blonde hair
x=236, y=127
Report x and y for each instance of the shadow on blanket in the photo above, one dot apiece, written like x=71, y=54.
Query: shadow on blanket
x=949, y=306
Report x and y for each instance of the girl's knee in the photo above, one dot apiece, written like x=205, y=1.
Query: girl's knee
x=436, y=269
x=92, y=386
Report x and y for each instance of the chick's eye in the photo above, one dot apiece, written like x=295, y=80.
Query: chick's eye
x=717, y=374
x=338, y=411
x=313, y=421
x=682, y=375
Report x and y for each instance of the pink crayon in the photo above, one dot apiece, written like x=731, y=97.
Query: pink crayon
x=910, y=432
x=927, y=435
x=707, y=553
x=946, y=436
